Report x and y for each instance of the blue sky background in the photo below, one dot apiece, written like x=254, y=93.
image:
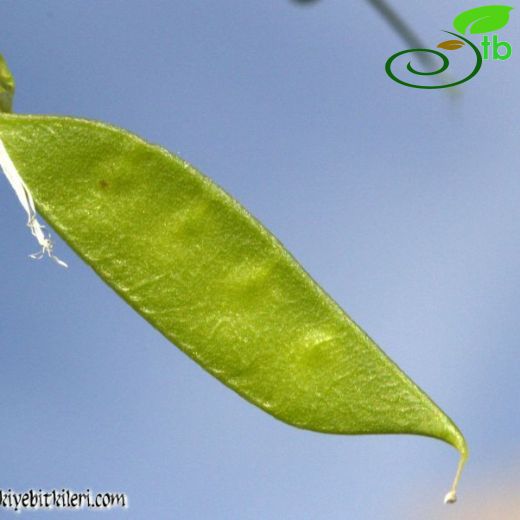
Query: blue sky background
x=403, y=204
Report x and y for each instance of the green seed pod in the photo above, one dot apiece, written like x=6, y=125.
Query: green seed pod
x=195, y=264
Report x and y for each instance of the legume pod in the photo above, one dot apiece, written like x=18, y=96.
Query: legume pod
x=195, y=264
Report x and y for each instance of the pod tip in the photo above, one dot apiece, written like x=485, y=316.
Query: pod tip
x=450, y=497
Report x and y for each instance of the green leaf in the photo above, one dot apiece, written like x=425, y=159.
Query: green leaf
x=6, y=87
x=484, y=19
x=214, y=281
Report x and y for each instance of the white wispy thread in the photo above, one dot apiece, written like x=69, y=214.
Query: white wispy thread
x=27, y=202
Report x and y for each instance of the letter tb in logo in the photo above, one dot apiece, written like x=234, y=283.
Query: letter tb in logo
x=500, y=50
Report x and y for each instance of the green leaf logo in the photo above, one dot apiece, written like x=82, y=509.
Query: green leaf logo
x=483, y=19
